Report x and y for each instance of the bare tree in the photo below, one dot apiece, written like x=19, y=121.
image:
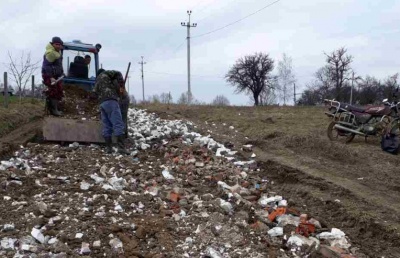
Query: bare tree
x=155, y=99
x=22, y=70
x=183, y=99
x=251, y=75
x=165, y=98
x=338, y=66
x=286, y=78
x=220, y=100
x=268, y=97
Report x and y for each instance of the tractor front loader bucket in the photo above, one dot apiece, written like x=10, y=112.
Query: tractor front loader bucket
x=70, y=130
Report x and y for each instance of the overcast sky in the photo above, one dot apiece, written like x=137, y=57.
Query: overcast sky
x=128, y=30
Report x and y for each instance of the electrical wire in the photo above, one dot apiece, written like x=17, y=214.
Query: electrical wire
x=193, y=75
x=204, y=8
x=237, y=21
x=209, y=15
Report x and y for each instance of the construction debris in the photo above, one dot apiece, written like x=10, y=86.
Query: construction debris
x=179, y=194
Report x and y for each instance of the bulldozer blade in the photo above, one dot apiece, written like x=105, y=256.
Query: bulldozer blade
x=70, y=130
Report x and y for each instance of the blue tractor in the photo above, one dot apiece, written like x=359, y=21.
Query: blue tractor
x=80, y=66
x=82, y=73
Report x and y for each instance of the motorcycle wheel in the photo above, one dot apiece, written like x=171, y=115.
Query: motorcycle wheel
x=337, y=135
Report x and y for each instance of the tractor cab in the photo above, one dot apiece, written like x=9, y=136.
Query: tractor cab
x=81, y=61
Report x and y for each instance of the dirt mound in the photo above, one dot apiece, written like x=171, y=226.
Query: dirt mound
x=77, y=104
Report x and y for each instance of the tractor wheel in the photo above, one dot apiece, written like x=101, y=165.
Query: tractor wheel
x=338, y=135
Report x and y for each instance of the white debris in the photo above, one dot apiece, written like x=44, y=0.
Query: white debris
x=276, y=231
x=116, y=245
x=29, y=248
x=84, y=186
x=97, y=179
x=37, y=234
x=265, y=200
x=167, y=175
x=8, y=243
x=334, y=234
x=78, y=235
x=224, y=185
x=295, y=240
x=117, y=183
x=96, y=244
x=85, y=250
x=213, y=253
x=226, y=206
x=8, y=227
x=282, y=203
x=52, y=241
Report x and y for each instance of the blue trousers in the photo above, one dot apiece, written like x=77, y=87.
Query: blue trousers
x=111, y=118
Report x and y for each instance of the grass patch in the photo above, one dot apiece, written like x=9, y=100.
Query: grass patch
x=18, y=114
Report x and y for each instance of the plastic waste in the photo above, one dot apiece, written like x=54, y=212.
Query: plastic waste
x=276, y=231
x=167, y=175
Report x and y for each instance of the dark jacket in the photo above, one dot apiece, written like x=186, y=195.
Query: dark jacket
x=107, y=86
x=52, y=63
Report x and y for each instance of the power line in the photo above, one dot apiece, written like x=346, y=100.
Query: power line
x=176, y=49
x=202, y=10
x=172, y=52
x=174, y=74
x=198, y=3
x=209, y=15
x=232, y=23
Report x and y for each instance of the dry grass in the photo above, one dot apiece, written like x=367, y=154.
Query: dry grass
x=18, y=114
x=255, y=122
x=286, y=129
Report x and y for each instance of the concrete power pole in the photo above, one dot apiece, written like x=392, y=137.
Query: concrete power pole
x=142, y=63
x=294, y=94
x=351, y=90
x=188, y=25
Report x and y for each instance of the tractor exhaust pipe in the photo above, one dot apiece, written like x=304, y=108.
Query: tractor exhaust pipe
x=348, y=130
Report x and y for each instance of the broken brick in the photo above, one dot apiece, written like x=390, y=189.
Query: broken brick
x=278, y=212
x=305, y=229
x=173, y=197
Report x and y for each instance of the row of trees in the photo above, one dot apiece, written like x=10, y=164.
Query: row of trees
x=253, y=75
x=338, y=80
x=166, y=98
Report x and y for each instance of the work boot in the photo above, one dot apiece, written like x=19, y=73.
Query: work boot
x=121, y=145
x=108, y=144
x=54, y=108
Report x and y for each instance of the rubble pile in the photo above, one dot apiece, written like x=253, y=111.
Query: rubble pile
x=77, y=104
x=179, y=194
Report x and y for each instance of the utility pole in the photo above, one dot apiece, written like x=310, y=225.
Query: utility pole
x=5, y=90
x=188, y=25
x=351, y=90
x=142, y=63
x=294, y=94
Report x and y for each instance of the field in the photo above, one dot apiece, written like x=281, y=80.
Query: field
x=353, y=186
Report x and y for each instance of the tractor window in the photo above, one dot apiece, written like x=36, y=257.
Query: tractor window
x=78, y=64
